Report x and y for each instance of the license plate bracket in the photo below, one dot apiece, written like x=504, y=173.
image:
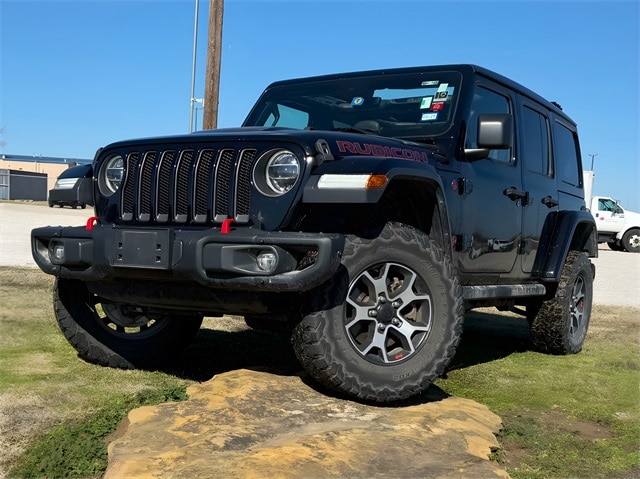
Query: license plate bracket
x=141, y=249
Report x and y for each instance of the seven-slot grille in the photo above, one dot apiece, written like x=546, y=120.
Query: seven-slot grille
x=188, y=186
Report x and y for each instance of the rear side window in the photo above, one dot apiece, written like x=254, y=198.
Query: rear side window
x=536, y=142
x=566, y=154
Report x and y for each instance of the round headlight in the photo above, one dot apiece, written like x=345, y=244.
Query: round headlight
x=111, y=175
x=282, y=171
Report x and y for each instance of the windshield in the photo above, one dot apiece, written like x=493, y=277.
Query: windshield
x=409, y=105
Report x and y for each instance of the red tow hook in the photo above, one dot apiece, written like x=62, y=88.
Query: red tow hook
x=226, y=226
x=91, y=222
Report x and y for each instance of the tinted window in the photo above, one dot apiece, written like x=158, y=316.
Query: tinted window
x=535, y=142
x=566, y=154
x=486, y=102
x=405, y=105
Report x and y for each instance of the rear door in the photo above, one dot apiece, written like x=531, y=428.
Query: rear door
x=538, y=177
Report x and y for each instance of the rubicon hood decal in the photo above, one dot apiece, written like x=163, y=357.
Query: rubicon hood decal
x=373, y=149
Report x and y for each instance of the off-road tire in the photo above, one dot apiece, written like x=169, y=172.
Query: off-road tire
x=100, y=340
x=328, y=350
x=561, y=323
x=631, y=241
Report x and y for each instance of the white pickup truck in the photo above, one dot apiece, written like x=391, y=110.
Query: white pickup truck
x=617, y=227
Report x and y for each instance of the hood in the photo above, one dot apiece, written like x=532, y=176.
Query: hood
x=331, y=144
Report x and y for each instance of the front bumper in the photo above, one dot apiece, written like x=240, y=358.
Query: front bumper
x=205, y=256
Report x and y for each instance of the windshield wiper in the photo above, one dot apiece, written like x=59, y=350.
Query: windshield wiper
x=425, y=140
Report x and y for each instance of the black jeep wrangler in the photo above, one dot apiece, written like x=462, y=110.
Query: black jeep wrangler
x=365, y=210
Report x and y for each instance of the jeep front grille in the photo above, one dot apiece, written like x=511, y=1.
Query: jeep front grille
x=190, y=186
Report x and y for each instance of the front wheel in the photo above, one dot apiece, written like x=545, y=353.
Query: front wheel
x=560, y=324
x=388, y=323
x=118, y=335
x=631, y=241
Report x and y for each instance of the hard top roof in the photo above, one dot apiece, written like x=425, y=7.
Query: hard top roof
x=464, y=69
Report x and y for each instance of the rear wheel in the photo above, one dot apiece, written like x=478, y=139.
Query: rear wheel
x=119, y=335
x=615, y=246
x=560, y=324
x=388, y=323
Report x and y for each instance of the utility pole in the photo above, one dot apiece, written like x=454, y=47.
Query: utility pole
x=193, y=100
x=593, y=157
x=214, y=55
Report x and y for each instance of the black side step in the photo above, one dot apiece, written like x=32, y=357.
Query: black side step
x=502, y=291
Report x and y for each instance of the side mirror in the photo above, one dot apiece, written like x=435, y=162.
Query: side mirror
x=495, y=132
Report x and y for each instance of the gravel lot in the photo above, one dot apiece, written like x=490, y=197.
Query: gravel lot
x=617, y=273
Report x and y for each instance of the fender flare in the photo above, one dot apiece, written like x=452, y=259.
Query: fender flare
x=564, y=231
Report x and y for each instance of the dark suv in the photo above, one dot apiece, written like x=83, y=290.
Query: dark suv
x=364, y=211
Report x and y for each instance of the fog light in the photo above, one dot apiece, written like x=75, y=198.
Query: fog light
x=56, y=253
x=267, y=261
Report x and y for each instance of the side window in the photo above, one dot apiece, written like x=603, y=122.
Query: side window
x=566, y=154
x=608, y=205
x=486, y=101
x=535, y=142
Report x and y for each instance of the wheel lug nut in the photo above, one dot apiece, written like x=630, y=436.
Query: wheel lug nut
x=381, y=327
x=382, y=299
x=373, y=313
x=395, y=322
x=396, y=304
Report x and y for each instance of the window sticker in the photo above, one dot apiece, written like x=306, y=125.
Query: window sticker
x=429, y=117
x=430, y=83
x=441, y=93
x=357, y=101
x=426, y=102
x=437, y=106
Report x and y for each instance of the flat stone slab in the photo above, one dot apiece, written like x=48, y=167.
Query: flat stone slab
x=254, y=424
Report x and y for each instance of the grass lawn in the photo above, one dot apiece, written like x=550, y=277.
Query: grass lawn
x=564, y=416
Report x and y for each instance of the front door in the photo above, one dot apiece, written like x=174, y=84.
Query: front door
x=609, y=216
x=491, y=218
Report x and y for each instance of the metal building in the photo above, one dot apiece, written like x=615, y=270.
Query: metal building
x=23, y=185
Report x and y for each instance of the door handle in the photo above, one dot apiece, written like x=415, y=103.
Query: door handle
x=549, y=201
x=514, y=194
